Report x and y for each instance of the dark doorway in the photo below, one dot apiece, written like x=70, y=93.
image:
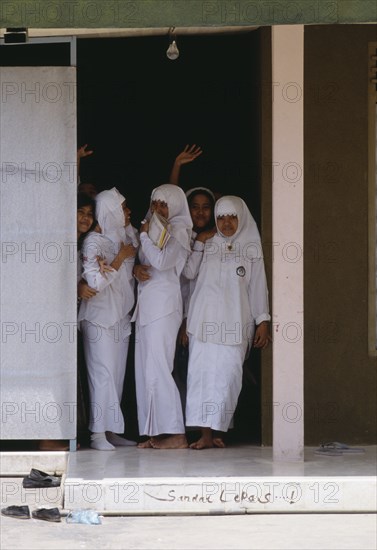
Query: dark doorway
x=137, y=109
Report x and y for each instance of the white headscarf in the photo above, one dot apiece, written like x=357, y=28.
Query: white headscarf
x=247, y=236
x=179, y=213
x=110, y=215
x=197, y=190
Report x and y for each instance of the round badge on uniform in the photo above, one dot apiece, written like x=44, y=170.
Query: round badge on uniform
x=241, y=271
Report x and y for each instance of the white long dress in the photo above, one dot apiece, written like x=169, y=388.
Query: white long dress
x=158, y=316
x=229, y=299
x=105, y=322
x=106, y=327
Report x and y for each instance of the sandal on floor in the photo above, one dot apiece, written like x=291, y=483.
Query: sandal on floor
x=337, y=449
x=326, y=451
x=342, y=447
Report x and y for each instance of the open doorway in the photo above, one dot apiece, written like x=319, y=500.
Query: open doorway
x=137, y=110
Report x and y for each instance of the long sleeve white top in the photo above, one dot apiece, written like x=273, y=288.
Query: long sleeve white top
x=160, y=295
x=115, y=297
x=230, y=296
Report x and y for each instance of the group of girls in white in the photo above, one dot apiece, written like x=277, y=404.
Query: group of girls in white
x=205, y=288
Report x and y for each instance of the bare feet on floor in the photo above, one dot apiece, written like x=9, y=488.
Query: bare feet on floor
x=149, y=443
x=176, y=441
x=203, y=443
x=145, y=444
x=208, y=441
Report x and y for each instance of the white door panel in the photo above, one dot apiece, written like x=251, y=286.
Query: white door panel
x=38, y=257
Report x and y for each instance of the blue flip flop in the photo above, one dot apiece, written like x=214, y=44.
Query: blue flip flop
x=327, y=451
x=343, y=447
x=335, y=448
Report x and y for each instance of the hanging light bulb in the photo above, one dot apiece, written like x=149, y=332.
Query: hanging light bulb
x=172, y=52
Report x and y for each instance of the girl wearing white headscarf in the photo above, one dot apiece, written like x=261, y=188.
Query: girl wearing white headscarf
x=158, y=315
x=105, y=319
x=229, y=300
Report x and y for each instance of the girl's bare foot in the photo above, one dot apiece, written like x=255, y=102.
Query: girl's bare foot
x=205, y=442
x=150, y=443
x=218, y=442
x=202, y=443
x=177, y=441
x=145, y=444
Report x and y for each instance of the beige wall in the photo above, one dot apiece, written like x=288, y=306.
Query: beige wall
x=340, y=377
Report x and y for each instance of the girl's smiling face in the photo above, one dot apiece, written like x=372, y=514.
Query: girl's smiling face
x=161, y=208
x=201, y=210
x=227, y=225
x=85, y=219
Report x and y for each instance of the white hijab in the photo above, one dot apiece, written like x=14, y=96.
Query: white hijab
x=109, y=213
x=179, y=213
x=247, y=236
x=110, y=216
x=197, y=190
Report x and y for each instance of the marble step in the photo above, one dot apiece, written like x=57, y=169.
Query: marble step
x=226, y=495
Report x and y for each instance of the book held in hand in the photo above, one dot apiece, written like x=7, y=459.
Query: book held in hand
x=159, y=230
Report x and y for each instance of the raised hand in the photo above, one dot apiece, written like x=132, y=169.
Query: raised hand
x=188, y=154
x=82, y=152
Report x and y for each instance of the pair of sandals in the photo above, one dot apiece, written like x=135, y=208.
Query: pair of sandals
x=335, y=448
x=23, y=512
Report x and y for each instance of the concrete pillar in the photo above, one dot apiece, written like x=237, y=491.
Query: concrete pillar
x=287, y=234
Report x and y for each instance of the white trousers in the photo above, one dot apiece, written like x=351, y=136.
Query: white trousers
x=158, y=402
x=214, y=382
x=106, y=356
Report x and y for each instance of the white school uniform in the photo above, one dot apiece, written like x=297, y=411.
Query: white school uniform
x=188, y=284
x=229, y=299
x=105, y=319
x=158, y=315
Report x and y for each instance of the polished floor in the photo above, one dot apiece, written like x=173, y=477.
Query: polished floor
x=241, y=460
